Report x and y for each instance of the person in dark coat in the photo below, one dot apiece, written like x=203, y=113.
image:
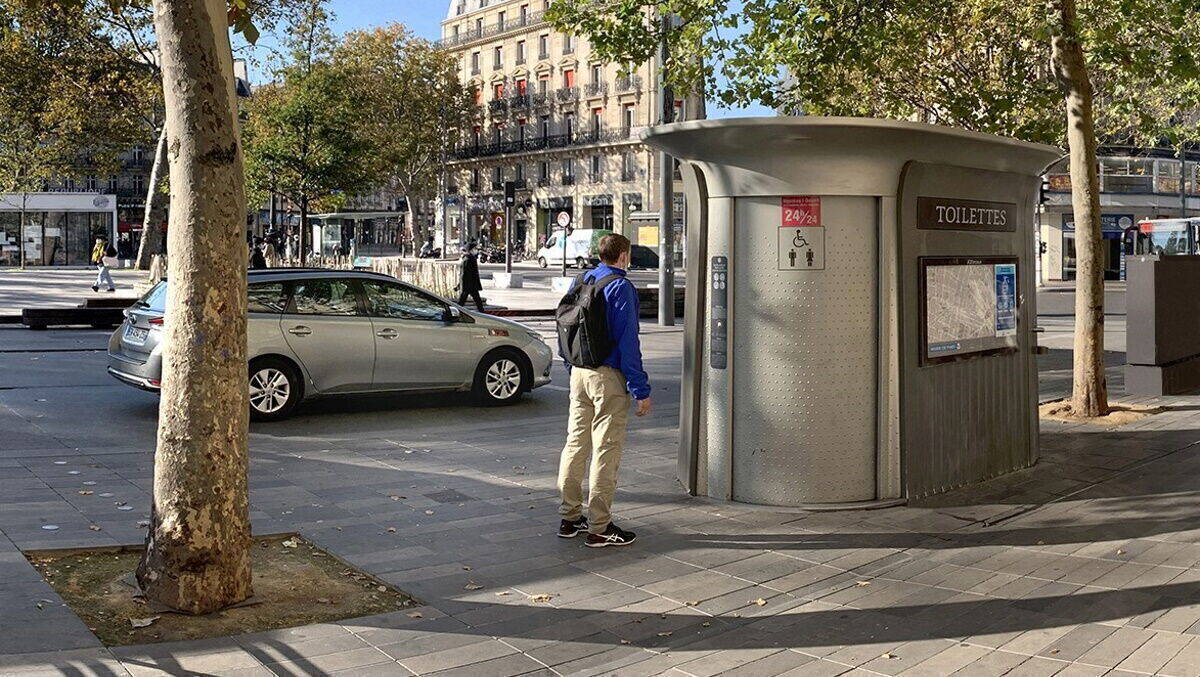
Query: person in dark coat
x=470, y=284
x=257, y=260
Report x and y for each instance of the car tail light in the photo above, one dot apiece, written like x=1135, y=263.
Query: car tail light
x=156, y=321
x=155, y=382
x=497, y=332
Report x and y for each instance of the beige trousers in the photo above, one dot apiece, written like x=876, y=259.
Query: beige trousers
x=596, y=429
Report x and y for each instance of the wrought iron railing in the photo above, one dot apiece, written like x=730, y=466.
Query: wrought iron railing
x=498, y=28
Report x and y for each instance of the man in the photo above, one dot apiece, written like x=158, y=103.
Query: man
x=600, y=400
x=469, y=284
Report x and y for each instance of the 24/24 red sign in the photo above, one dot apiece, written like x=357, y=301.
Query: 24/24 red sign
x=800, y=210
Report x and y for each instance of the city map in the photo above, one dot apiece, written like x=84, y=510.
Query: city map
x=961, y=308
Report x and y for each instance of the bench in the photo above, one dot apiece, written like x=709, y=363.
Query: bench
x=107, y=302
x=100, y=318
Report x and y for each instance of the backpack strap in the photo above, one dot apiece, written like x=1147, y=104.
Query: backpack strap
x=606, y=280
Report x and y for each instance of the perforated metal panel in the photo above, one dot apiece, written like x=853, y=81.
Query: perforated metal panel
x=804, y=352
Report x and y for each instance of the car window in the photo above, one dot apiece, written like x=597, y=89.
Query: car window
x=156, y=298
x=324, y=297
x=404, y=303
x=266, y=297
x=551, y=242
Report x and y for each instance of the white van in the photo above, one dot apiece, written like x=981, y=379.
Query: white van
x=580, y=248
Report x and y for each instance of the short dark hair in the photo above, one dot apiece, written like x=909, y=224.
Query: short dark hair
x=611, y=247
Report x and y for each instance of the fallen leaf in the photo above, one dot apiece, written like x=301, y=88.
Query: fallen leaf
x=381, y=588
x=323, y=600
x=428, y=512
x=760, y=602
x=1054, y=651
x=472, y=586
x=540, y=597
x=691, y=603
x=503, y=593
x=391, y=530
x=624, y=641
x=290, y=543
x=85, y=492
x=1120, y=552
x=889, y=655
x=143, y=622
x=706, y=624
x=466, y=568
x=863, y=584
x=94, y=527
x=664, y=634
x=415, y=614
x=394, y=497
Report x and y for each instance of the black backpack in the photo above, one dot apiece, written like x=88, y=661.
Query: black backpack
x=582, y=319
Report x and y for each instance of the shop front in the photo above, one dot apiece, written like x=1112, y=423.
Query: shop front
x=1112, y=227
x=60, y=228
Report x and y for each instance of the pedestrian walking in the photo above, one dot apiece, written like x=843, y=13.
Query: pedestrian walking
x=269, y=255
x=103, y=254
x=470, y=284
x=598, y=339
x=257, y=260
x=125, y=251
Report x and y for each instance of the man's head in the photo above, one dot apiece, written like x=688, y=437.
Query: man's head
x=614, y=250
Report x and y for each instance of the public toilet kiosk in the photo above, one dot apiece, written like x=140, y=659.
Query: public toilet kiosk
x=860, y=308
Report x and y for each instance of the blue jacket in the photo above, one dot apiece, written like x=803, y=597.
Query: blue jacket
x=621, y=300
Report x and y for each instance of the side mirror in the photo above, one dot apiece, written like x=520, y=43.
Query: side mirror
x=452, y=314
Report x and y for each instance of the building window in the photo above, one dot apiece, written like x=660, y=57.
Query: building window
x=628, y=116
x=568, y=169
x=543, y=84
x=91, y=183
x=499, y=21
x=521, y=51
x=498, y=57
x=139, y=184
x=475, y=180
x=627, y=166
x=524, y=14
x=568, y=44
x=544, y=46
x=544, y=171
x=597, y=119
x=545, y=126
x=497, y=177
x=455, y=30
x=519, y=177
x=522, y=87
x=496, y=135
x=137, y=153
x=498, y=90
x=597, y=73
x=112, y=184
x=479, y=26
x=568, y=78
x=475, y=135
x=569, y=124
x=680, y=111
x=521, y=131
x=475, y=63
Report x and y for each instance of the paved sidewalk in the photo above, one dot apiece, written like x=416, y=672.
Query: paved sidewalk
x=1087, y=564
x=58, y=287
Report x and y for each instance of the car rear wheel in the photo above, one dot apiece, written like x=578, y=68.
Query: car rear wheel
x=542, y=262
x=275, y=389
x=500, y=379
x=581, y=263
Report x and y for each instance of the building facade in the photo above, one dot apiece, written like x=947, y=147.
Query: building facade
x=1136, y=184
x=557, y=121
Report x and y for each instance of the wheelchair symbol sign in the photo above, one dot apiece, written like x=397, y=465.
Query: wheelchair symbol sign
x=801, y=248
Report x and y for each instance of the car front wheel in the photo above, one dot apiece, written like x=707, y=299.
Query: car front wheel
x=542, y=261
x=275, y=389
x=500, y=379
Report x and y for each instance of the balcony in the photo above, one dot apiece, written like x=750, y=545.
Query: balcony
x=566, y=94
x=543, y=181
x=595, y=89
x=543, y=55
x=569, y=48
x=497, y=185
x=498, y=106
x=520, y=60
x=475, y=187
x=628, y=175
x=475, y=69
x=629, y=83
x=595, y=177
x=471, y=35
x=531, y=144
x=519, y=102
x=568, y=179
x=540, y=99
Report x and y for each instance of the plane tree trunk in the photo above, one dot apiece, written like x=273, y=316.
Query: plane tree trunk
x=1089, y=396
x=152, y=219
x=197, y=550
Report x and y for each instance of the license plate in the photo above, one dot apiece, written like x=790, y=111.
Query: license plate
x=136, y=334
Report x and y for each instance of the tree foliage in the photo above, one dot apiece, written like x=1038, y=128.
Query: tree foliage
x=983, y=65
x=66, y=107
x=418, y=107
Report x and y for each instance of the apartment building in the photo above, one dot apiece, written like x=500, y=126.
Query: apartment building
x=558, y=122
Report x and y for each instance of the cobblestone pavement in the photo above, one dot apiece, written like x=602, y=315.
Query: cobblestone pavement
x=1087, y=564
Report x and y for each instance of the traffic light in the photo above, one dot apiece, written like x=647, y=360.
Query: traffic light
x=510, y=193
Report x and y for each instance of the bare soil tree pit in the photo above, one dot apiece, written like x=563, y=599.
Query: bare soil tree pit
x=1118, y=414
x=295, y=583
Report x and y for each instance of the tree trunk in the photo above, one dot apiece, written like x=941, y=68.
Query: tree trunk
x=304, y=229
x=1089, y=395
x=152, y=217
x=411, y=225
x=197, y=551
x=21, y=230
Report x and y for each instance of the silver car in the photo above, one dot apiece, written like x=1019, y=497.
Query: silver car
x=314, y=332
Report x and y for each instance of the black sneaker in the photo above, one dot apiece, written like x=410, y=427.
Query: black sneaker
x=572, y=528
x=111, y=289
x=95, y=288
x=613, y=535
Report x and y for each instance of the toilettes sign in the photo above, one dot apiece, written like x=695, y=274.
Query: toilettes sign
x=936, y=213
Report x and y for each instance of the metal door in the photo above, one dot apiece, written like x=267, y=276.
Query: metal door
x=415, y=347
x=804, y=352
x=325, y=330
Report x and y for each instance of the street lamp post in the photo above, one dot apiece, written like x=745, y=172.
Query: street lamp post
x=666, y=216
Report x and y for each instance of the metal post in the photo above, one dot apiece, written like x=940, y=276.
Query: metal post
x=564, y=241
x=666, y=214
x=1182, y=185
x=508, y=238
